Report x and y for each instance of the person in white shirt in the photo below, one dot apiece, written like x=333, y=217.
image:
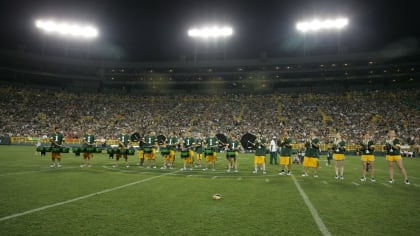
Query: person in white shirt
x=273, y=151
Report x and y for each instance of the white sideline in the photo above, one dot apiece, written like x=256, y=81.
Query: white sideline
x=79, y=198
x=314, y=213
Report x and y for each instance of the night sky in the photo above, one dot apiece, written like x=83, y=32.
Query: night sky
x=157, y=30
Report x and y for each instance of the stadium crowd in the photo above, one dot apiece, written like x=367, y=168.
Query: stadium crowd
x=33, y=112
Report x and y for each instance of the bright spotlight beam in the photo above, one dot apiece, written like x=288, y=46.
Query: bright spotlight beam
x=317, y=25
x=210, y=32
x=67, y=29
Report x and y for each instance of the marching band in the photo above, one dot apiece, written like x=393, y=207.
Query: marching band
x=193, y=148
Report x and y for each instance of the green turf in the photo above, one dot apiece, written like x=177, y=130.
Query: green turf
x=102, y=200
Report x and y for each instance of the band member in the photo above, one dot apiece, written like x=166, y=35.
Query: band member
x=260, y=152
x=393, y=155
x=339, y=149
x=88, y=142
x=142, y=145
x=286, y=153
x=368, y=158
x=310, y=160
x=123, y=142
x=187, y=153
x=56, y=139
x=150, y=149
x=210, y=151
x=199, y=150
x=169, y=151
x=233, y=146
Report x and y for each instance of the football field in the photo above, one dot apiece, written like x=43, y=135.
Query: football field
x=39, y=200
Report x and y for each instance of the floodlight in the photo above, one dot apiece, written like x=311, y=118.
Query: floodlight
x=66, y=28
x=316, y=25
x=211, y=32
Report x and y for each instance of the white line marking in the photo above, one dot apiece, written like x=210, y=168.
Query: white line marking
x=324, y=182
x=355, y=183
x=317, y=218
x=78, y=198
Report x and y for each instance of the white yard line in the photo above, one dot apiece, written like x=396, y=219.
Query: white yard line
x=79, y=198
x=317, y=218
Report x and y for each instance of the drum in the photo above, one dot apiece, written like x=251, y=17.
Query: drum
x=90, y=149
x=47, y=149
x=65, y=150
x=230, y=154
x=147, y=150
x=40, y=149
x=56, y=149
x=110, y=151
x=130, y=151
x=185, y=154
x=82, y=149
x=208, y=151
x=123, y=151
x=75, y=150
x=165, y=151
x=98, y=150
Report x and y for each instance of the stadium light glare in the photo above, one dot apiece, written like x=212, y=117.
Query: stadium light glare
x=210, y=32
x=65, y=28
x=317, y=25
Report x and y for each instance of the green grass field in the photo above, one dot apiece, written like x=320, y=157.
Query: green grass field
x=38, y=200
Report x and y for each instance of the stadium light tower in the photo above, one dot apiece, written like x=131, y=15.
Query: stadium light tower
x=210, y=33
x=67, y=30
x=316, y=25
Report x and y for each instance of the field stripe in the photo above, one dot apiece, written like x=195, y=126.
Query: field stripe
x=317, y=218
x=79, y=198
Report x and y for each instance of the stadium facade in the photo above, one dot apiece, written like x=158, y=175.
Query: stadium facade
x=368, y=70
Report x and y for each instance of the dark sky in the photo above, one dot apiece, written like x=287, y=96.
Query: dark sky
x=157, y=30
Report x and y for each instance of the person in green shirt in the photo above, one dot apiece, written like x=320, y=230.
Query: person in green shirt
x=199, y=150
x=142, y=145
x=393, y=155
x=210, y=152
x=339, y=149
x=367, y=148
x=123, y=142
x=286, y=153
x=57, y=139
x=233, y=146
x=310, y=160
x=150, y=149
x=88, y=142
x=169, y=157
x=187, y=152
x=260, y=152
